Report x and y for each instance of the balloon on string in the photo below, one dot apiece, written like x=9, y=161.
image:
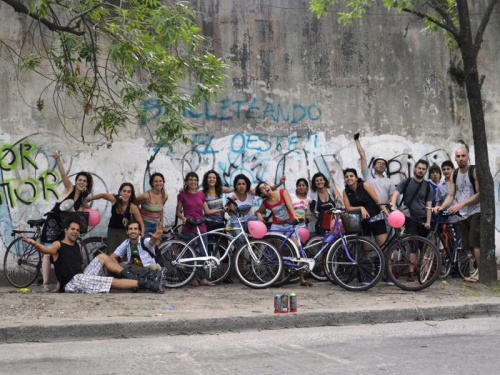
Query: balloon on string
x=257, y=229
x=94, y=217
x=304, y=234
x=396, y=219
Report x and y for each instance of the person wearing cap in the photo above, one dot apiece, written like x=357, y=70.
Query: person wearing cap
x=383, y=185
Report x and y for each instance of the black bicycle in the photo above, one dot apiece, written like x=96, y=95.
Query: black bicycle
x=22, y=262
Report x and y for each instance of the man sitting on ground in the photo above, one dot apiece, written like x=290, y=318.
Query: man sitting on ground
x=136, y=254
x=67, y=260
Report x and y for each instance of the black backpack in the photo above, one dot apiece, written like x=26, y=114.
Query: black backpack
x=471, y=177
x=157, y=254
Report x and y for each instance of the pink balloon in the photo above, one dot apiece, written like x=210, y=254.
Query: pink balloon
x=304, y=234
x=94, y=217
x=396, y=219
x=257, y=229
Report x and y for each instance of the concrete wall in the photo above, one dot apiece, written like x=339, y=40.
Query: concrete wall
x=298, y=89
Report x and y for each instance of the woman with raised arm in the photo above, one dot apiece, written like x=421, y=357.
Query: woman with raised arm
x=360, y=197
x=123, y=210
x=53, y=228
x=151, y=203
x=191, y=205
x=323, y=199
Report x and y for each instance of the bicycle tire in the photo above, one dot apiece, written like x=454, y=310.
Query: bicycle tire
x=21, y=264
x=258, y=274
x=83, y=252
x=177, y=275
x=217, y=247
x=467, y=265
x=426, y=263
x=360, y=275
x=287, y=251
x=95, y=246
x=311, y=248
x=444, y=251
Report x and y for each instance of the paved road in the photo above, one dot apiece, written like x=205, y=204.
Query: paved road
x=455, y=347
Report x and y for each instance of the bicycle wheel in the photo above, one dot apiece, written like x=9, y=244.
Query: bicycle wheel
x=21, y=264
x=177, y=274
x=467, y=265
x=217, y=247
x=413, y=263
x=83, y=252
x=356, y=266
x=287, y=251
x=95, y=246
x=444, y=251
x=261, y=272
x=311, y=248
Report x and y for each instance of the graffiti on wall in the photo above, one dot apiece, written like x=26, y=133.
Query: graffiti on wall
x=242, y=109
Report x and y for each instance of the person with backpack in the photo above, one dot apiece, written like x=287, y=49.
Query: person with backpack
x=137, y=254
x=417, y=197
x=465, y=190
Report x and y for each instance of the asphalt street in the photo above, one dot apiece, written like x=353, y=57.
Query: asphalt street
x=466, y=346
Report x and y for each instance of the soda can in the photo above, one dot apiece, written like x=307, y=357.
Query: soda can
x=284, y=304
x=293, y=302
x=277, y=304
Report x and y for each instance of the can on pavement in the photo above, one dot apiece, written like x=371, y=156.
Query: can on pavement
x=277, y=304
x=293, y=302
x=284, y=304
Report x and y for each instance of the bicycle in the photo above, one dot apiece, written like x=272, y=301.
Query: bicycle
x=22, y=262
x=257, y=264
x=444, y=236
x=413, y=262
x=353, y=262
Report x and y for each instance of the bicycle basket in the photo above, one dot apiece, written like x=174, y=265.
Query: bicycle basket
x=79, y=217
x=351, y=223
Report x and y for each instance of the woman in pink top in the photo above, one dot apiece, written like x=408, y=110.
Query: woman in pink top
x=191, y=204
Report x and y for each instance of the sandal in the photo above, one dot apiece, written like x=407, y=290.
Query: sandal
x=472, y=279
x=306, y=283
x=195, y=283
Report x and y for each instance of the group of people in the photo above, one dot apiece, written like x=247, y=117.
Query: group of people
x=136, y=222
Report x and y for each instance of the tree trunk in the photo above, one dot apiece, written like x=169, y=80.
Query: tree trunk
x=487, y=266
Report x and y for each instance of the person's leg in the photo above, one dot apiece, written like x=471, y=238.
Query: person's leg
x=474, y=239
x=45, y=273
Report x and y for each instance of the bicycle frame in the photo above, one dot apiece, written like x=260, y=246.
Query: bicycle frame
x=209, y=258
x=330, y=239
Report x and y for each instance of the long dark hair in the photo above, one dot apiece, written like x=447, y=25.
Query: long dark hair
x=132, y=199
x=218, y=183
x=90, y=181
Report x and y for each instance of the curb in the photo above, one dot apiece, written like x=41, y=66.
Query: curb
x=146, y=328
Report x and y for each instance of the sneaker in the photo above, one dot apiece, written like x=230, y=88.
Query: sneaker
x=45, y=288
x=152, y=281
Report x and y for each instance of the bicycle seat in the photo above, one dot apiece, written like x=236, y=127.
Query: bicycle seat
x=36, y=223
x=195, y=223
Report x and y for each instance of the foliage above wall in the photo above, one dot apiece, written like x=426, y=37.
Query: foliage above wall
x=110, y=56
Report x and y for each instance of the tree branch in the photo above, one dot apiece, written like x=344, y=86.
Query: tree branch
x=482, y=27
x=21, y=8
x=433, y=20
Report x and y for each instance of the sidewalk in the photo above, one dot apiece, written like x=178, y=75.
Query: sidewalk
x=35, y=316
